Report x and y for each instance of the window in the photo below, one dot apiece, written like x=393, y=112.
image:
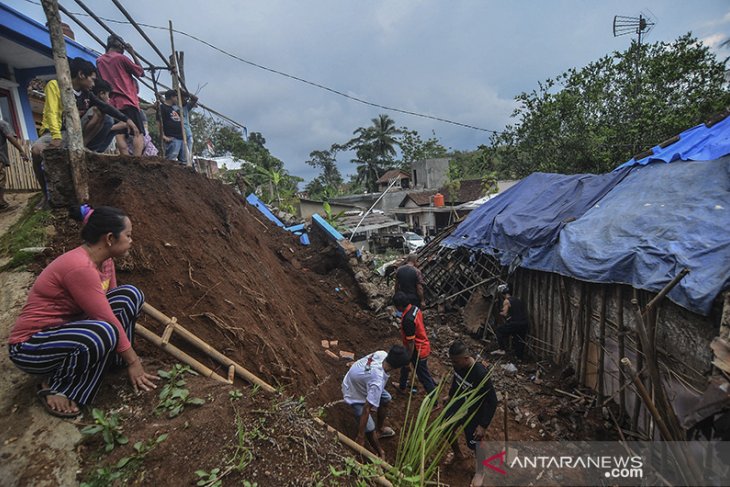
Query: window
x=7, y=111
x=415, y=178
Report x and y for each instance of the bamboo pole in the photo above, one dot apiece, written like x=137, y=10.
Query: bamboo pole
x=77, y=157
x=654, y=302
x=689, y=469
x=505, y=420
x=206, y=348
x=602, y=343
x=621, y=349
x=178, y=354
x=176, y=86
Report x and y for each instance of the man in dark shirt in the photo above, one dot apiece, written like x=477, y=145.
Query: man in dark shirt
x=172, y=128
x=516, y=322
x=415, y=340
x=409, y=280
x=468, y=376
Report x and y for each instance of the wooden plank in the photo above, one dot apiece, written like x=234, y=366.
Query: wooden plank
x=20, y=176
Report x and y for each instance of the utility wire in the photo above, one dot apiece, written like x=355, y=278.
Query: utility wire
x=297, y=78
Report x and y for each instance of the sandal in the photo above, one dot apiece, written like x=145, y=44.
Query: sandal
x=387, y=432
x=43, y=393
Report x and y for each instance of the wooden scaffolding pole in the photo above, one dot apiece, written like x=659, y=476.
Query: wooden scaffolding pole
x=176, y=87
x=77, y=156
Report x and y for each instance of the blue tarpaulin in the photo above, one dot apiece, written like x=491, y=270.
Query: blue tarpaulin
x=659, y=220
x=531, y=213
x=700, y=143
x=639, y=226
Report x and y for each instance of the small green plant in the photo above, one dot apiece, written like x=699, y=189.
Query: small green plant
x=209, y=479
x=174, y=396
x=254, y=390
x=125, y=466
x=246, y=483
x=235, y=395
x=362, y=473
x=110, y=428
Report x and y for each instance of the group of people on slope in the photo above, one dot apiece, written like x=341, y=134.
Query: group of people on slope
x=109, y=109
x=364, y=385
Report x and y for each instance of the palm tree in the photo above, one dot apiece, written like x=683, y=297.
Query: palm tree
x=383, y=134
x=374, y=148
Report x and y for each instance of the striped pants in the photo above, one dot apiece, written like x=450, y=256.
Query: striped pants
x=75, y=355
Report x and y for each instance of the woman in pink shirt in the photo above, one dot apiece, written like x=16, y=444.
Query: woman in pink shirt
x=76, y=317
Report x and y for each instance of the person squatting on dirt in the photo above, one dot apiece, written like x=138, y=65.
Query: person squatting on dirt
x=409, y=280
x=516, y=322
x=363, y=389
x=7, y=134
x=468, y=375
x=92, y=111
x=415, y=341
x=78, y=321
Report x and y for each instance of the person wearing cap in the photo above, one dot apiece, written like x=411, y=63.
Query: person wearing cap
x=516, y=322
x=363, y=389
x=121, y=73
x=470, y=375
x=172, y=131
x=77, y=321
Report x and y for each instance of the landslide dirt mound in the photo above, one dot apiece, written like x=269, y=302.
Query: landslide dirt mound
x=239, y=282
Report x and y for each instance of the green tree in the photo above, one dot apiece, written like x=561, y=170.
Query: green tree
x=375, y=148
x=594, y=118
x=413, y=148
x=329, y=182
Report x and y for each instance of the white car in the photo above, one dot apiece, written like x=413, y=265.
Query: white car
x=412, y=241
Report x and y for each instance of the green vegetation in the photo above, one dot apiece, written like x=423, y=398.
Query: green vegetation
x=174, y=396
x=241, y=456
x=425, y=439
x=110, y=428
x=126, y=467
x=362, y=473
x=591, y=119
x=28, y=231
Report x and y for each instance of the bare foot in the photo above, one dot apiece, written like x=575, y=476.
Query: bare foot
x=60, y=403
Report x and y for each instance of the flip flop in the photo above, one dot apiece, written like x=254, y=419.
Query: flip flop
x=387, y=432
x=43, y=393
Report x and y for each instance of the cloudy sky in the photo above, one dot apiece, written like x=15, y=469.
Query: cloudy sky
x=462, y=60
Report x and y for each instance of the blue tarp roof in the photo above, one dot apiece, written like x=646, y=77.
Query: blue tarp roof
x=639, y=225
x=700, y=143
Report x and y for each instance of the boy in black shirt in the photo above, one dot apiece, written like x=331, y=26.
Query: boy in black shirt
x=172, y=128
x=468, y=375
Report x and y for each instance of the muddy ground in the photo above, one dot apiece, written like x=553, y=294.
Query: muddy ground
x=252, y=291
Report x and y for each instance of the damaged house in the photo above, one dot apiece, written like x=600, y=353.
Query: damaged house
x=588, y=255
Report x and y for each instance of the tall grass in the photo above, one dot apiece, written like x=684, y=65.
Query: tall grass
x=425, y=439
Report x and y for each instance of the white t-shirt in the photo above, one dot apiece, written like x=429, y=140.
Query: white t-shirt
x=366, y=380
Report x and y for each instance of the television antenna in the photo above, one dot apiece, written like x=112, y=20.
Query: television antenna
x=623, y=25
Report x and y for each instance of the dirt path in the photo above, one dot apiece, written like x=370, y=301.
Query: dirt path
x=35, y=448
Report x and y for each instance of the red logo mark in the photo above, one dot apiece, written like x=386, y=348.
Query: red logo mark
x=488, y=462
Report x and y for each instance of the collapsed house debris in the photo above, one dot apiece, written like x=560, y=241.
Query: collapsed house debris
x=587, y=253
